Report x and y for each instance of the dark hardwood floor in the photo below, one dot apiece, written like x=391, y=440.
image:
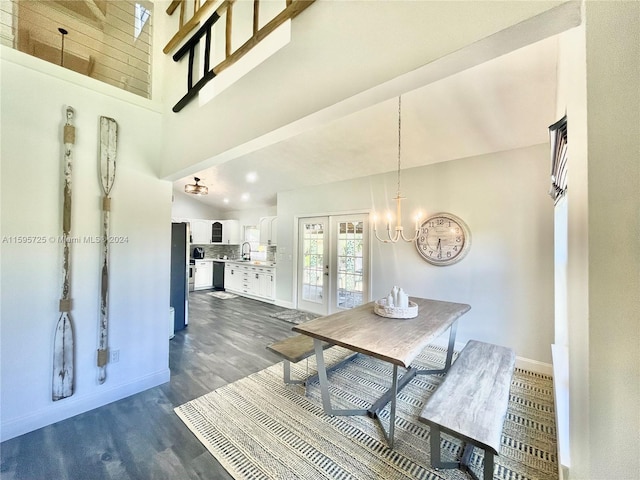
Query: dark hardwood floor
x=140, y=437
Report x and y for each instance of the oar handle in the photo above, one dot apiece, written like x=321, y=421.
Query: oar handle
x=69, y=139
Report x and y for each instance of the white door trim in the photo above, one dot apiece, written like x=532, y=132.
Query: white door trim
x=296, y=248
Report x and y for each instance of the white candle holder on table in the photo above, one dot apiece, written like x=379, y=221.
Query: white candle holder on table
x=396, y=305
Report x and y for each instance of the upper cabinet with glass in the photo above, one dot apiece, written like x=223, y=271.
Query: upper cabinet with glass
x=225, y=232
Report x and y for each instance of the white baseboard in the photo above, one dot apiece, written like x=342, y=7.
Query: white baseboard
x=282, y=303
x=534, y=366
x=75, y=405
x=521, y=362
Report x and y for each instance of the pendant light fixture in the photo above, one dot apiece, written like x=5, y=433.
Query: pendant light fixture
x=196, y=189
x=399, y=229
x=63, y=32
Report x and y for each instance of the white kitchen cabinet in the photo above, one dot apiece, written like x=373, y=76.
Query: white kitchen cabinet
x=265, y=230
x=267, y=285
x=203, y=275
x=200, y=231
x=225, y=232
x=274, y=231
x=268, y=230
x=232, y=277
x=231, y=232
x=250, y=280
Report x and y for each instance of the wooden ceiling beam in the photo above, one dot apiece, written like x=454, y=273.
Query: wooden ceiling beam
x=191, y=24
x=172, y=6
x=96, y=11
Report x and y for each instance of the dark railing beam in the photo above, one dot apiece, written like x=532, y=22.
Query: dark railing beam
x=207, y=49
x=190, y=46
x=195, y=39
x=194, y=91
x=190, y=72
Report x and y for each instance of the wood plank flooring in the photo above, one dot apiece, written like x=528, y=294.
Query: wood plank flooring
x=140, y=437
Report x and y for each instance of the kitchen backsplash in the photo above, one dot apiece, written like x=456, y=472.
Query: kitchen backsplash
x=232, y=251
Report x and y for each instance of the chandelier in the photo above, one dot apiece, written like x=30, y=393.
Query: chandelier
x=196, y=189
x=399, y=229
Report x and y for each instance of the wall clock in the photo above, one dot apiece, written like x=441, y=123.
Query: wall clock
x=444, y=239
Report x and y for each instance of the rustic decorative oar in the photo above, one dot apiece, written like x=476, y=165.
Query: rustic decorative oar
x=108, y=147
x=63, y=340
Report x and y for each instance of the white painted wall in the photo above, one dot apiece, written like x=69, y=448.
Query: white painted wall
x=607, y=340
x=599, y=71
x=184, y=206
x=507, y=277
x=252, y=216
x=571, y=253
x=32, y=105
x=337, y=50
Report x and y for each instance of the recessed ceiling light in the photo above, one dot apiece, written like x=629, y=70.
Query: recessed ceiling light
x=245, y=197
x=225, y=200
x=252, y=177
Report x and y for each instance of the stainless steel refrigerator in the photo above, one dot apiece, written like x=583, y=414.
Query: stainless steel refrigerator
x=180, y=275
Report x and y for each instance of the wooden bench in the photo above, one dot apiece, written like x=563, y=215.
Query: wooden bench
x=295, y=349
x=471, y=404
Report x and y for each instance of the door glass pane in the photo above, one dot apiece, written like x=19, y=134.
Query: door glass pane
x=350, y=273
x=313, y=262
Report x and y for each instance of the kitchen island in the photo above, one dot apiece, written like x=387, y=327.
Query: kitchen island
x=253, y=279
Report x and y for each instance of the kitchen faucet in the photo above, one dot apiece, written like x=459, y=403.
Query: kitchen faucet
x=247, y=255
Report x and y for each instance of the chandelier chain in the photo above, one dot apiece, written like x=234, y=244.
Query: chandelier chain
x=399, y=138
x=398, y=230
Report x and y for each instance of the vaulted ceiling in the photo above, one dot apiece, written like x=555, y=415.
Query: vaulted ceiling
x=499, y=105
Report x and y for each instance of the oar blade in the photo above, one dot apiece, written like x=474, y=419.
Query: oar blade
x=108, y=151
x=63, y=358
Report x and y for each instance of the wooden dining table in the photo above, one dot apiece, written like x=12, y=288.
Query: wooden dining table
x=393, y=340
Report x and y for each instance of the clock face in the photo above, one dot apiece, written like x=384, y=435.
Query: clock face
x=444, y=239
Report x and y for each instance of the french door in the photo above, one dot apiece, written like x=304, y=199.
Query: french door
x=333, y=263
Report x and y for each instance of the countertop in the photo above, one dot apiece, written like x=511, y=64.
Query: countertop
x=258, y=263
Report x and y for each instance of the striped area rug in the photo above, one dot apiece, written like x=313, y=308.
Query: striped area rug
x=259, y=428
